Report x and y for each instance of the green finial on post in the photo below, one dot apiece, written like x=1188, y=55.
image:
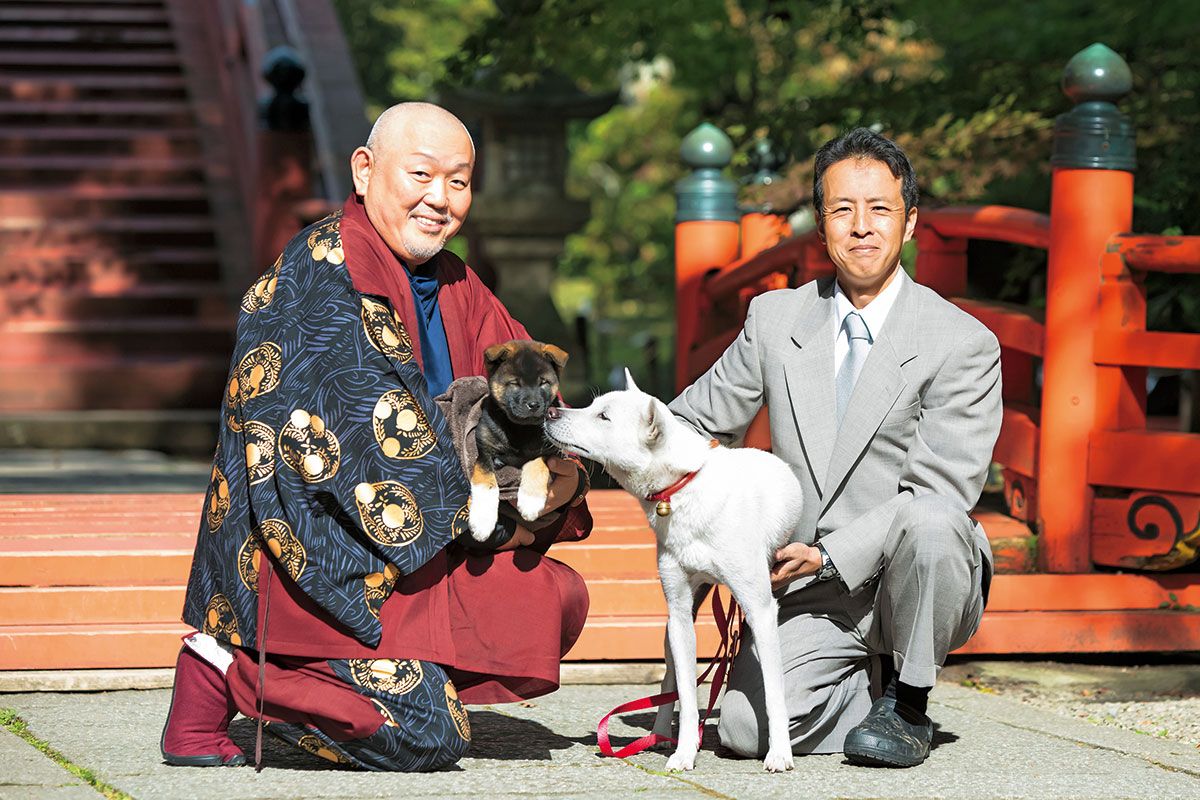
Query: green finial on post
x=1095, y=134
x=706, y=194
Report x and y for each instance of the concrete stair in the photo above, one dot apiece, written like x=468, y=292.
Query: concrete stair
x=90, y=581
x=111, y=293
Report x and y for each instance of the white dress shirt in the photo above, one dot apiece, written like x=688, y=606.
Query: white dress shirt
x=874, y=314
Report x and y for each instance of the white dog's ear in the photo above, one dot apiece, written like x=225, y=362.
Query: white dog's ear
x=629, y=384
x=653, y=430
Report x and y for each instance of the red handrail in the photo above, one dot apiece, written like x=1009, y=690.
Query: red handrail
x=995, y=223
x=739, y=274
x=1179, y=254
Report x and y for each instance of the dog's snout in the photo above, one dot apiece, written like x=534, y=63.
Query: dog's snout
x=552, y=413
x=532, y=406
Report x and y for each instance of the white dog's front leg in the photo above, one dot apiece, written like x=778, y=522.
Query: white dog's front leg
x=666, y=712
x=681, y=635
x=762, y=615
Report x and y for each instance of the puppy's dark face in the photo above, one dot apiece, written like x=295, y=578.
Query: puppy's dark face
x=523, y=378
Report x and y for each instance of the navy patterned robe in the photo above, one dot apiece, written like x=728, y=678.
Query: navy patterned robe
x=331, y=454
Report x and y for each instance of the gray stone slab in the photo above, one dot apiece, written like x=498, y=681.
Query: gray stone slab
x=81, y=792
x=26, y=773
x=85, y=680
x=987, y=747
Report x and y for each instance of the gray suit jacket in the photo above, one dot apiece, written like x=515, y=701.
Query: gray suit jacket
x=923, y=418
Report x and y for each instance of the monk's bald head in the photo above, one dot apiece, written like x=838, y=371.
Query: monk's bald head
x=420, y=120
x=414, y=176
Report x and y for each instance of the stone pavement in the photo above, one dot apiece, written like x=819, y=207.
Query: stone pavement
x=987, y=746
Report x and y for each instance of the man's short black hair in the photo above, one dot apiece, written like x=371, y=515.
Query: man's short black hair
x=865, y=143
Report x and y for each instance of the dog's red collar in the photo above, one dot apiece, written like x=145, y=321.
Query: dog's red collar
x=663, y=498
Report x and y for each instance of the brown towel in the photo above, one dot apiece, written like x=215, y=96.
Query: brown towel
x=462, y=405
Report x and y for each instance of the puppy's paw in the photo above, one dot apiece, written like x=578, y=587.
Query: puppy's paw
x=778, y=761
x=682, y=760
x=482, y=521
x=485, y=505
x=484, y=511
x=530, y=504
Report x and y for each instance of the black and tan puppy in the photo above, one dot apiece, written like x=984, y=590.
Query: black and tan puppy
x=522, y=386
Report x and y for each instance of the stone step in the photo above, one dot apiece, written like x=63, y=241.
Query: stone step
x=98, y=200
x=64, y=605
x=128, y=646
x=176, y=223
x=194, y=301
x=24, y=13
x=112, y=237
x=35, y=341
x=179, y=431
x=115, y=61
x=90, y=36
x=168, y=109
x=33, y=85
x=117, y=383
x=38, y=265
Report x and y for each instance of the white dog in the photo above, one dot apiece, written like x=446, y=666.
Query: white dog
x=722, y=525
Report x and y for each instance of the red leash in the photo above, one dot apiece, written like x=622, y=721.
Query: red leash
x=729, y=624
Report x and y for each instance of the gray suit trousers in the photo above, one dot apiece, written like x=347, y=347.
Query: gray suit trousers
x=928, y=601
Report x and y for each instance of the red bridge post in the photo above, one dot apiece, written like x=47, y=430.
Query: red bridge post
x=706, y=232
x=1091, y=199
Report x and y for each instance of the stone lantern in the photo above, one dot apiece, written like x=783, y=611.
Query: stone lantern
x=521, y=214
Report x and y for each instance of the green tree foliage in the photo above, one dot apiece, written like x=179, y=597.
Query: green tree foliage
x=969, y=88
x=402, y=49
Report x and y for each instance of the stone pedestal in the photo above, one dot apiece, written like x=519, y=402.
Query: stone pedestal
x=520, y=242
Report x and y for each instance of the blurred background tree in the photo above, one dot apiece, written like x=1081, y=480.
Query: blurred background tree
x=969, y=88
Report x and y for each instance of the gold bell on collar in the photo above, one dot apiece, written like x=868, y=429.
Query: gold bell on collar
x=663, y=509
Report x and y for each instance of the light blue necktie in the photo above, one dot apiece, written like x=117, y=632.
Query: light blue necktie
x=860, y=346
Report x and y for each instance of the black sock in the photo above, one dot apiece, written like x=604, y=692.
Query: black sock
x=912, y=702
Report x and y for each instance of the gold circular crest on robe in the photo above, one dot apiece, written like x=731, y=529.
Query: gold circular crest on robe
x=256, y=374
x=400, y=425
x=218, y=500
x=249, y=561
x=281, y=543
x=220, y=621
x=389, y=513
x=377, y=586
x=391, y=676
x=388, y=719
x=309, y=447
x=457, y=712
x=260, y=451
x=313, y=744
x=460, y=525
x=260, y=294
x=385, y=331
x=325, y=241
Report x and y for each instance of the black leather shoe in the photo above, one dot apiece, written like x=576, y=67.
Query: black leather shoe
x=884, y=739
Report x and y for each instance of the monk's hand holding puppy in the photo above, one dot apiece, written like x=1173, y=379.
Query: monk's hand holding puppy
x=564, y=484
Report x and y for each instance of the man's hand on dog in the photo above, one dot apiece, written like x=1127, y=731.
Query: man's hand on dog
x=794, y=561
x=564, y=483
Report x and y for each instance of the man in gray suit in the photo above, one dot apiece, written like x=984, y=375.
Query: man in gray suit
x=885, y=399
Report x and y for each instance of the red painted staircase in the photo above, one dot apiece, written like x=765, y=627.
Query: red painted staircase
x=89, y=581
x=111, y=295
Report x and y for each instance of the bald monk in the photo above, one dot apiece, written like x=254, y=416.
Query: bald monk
x=332, y=590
